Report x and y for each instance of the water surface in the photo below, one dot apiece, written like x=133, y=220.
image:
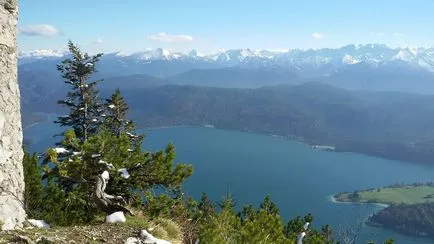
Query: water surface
x=299, y=179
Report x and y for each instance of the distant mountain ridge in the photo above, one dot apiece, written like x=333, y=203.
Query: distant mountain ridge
x=323, y=61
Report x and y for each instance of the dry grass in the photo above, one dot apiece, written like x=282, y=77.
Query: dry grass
x=97, y=232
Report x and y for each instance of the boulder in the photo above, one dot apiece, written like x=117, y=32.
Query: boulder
x=39, y=223
x=150, y=239
x=116, y=217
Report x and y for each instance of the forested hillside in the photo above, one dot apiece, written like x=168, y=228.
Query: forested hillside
x=391, y=125
x=388, y=124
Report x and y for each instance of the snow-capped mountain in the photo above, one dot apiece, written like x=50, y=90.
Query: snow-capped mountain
x=40, y=54
x=310, y=62
x=155, y=54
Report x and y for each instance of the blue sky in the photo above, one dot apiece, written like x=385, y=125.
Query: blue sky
x=208, y=25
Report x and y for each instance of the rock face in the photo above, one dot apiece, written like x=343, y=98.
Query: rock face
x=12, y=213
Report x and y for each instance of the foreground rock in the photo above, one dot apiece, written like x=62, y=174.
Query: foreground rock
x=12, y=214
x=150, y=239
x=145, y=238
x=39, y=223
x=116, y=217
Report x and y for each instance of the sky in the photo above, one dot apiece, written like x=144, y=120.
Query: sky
x=211, y=25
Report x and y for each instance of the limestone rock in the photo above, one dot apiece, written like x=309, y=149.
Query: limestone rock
x=12, y=213
x=150, y=239
x=39, y=223
x=116, y=217
x=133, y=240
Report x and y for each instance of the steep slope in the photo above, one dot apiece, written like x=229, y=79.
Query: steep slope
x=235, y=77
x=40, y=90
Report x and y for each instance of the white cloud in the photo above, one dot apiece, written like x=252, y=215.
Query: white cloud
x=98, y=41
x=317, y=35
x=164, y=37
x=39, y=30
x=397, y=34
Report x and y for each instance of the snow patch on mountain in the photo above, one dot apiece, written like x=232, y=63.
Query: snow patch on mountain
x=325, y=58
x=42, y=53
x=348, y=59
x=404, y=55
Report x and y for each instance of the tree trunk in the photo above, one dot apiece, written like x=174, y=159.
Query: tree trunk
x=106, y=202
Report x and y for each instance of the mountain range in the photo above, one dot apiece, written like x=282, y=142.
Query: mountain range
x=306, y=63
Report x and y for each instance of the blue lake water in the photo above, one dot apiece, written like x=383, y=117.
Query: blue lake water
x=299, y=179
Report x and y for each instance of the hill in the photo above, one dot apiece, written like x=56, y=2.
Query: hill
x=236, y=77
x=392, y=125
x=413, y=219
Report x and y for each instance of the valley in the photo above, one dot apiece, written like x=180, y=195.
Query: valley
x=356, y=109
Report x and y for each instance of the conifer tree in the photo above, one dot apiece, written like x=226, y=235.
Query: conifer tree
x=116, y=110
x=33, y=184
x=82, y=101
x=224, y=227
x=263, y=225
x=96, y=143
x=206, y=207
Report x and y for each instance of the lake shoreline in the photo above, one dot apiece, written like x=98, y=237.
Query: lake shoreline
x=284, y=157
x=333, y=199
x=401, y=205
x=302, y=141
x=326, y=147
x=31, y=125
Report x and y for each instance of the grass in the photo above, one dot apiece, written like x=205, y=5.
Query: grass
x=393, y=195
x=98, y=232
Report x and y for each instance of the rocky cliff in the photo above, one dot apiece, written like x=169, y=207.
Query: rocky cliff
x=11, y=172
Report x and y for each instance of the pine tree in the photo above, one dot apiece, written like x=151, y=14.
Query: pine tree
x=116, y=115
x=224, y=227
x=294, y=227
x=83, y=102
x=132, y=171
x=95, y=143
x=263, y=225
x=33, y=184
x=206, y=207
x=269, y=206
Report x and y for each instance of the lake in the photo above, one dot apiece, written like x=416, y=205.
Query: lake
x=298, y=178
